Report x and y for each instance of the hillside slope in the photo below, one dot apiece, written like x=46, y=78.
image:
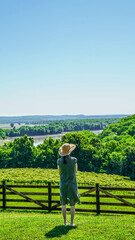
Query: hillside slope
x=126, y=126
x=43, y=176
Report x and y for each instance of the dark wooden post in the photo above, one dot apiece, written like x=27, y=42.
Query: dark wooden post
x=97, y=199
x=49, y=197
x=4, y=194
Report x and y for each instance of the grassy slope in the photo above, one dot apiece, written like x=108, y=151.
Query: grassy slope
x=42, y=176
x=40, y=225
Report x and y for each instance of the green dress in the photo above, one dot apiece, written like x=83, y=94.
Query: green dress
x=68, y=184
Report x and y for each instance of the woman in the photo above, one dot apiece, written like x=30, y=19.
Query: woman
x=67, y=167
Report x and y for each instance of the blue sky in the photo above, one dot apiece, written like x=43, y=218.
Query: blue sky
x=67, y=57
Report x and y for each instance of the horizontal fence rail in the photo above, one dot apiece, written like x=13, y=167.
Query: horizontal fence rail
x=47, y=197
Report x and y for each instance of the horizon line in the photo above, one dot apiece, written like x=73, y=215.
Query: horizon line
x=92, y=115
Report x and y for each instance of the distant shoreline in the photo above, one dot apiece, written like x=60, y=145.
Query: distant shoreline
x=40, y=138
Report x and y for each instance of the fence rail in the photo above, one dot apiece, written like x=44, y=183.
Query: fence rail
x=46, y=193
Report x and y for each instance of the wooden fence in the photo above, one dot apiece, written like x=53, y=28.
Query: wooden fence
x=49, y=191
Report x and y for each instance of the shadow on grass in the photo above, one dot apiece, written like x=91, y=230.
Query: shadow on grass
x=58, y=231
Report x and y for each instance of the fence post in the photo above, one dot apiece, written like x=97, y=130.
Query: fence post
x=49, y=197
x=4, y=194
x=97, y=199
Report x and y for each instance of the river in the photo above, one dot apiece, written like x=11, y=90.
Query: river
x=40, y=139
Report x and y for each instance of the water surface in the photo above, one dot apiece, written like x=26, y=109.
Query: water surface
x=40, y=139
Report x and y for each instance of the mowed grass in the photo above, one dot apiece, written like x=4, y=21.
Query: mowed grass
x=32, y=225
x=41, y=225
x=91, y=199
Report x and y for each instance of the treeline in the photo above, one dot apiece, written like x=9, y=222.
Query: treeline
x=21, y=153
x=58, y=127
x=111, y=152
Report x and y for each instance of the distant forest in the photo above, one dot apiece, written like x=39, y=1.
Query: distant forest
x=58, y=127
x=42, y=119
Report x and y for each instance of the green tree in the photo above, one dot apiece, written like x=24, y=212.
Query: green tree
x=128, y=162
x=12, y=125
x=22, y=152
x=2, y=133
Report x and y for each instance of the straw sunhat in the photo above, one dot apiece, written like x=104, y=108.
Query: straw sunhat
x=66, y=149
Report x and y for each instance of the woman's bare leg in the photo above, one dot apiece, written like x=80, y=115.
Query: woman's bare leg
x=64, y=213
x=72, y=210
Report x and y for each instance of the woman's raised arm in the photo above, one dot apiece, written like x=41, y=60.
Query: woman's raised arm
x=76, y=168
x=59, y=169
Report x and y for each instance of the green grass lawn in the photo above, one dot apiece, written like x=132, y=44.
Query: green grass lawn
x=31, y=225
x=57, y=198
x=28, y=225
